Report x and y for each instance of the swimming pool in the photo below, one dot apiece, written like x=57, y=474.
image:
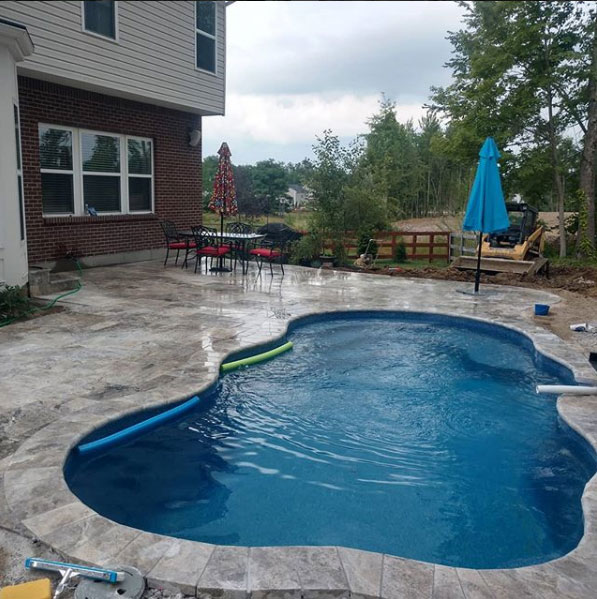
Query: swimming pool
x=415, y=435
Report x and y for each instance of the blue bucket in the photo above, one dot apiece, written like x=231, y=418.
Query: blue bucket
x=541, y=309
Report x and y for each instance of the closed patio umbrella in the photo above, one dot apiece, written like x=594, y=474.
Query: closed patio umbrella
x=223, y=197
x=486, y=210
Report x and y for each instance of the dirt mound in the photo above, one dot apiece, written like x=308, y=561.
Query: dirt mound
x=581, y=280
x=431, y=224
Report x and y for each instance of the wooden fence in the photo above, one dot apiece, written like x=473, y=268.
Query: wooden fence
x=420, y=245
x=463, y=243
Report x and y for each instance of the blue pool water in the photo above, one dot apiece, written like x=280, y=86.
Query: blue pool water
x=418, y=437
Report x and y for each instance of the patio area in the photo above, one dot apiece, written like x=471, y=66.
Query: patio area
x=141, y=335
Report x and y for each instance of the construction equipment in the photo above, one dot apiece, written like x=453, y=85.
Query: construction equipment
x=518, y=250
x=36, y=589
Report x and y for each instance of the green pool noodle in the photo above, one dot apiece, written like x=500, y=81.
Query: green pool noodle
x=256, y=358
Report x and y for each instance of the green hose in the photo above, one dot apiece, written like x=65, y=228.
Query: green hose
x=51, y=304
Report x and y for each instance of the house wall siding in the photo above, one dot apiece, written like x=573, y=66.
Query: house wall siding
x=177, y=170
x=152, y=61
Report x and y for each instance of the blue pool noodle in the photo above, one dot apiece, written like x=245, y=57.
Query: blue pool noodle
x=137, y=429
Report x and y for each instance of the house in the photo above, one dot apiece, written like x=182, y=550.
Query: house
x=103, y=101
x=300, y=196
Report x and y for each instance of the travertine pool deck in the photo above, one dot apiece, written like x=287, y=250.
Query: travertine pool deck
x=140, y=335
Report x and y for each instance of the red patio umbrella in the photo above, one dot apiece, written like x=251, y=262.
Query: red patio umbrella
x=223, y=197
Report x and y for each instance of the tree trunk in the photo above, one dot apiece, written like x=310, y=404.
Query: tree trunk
x=587, y=161
x=555, y=165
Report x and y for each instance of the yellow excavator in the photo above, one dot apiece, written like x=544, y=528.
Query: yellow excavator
x=519, y=250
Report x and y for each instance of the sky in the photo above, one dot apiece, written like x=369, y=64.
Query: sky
x=296, y=68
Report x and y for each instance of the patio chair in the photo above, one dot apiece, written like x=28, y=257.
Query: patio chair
x=270, y=250
x=238, y=248
x=175, y=241
x=208, y=246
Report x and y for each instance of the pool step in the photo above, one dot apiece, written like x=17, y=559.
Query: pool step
x=44, y=282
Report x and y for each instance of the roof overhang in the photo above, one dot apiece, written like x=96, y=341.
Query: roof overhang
x=16, y=38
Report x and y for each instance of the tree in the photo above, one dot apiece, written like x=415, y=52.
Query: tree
x=391, y=160
x=270, y=183
x=514, y=68
x=245, y=196
x=331, y=174
x=210, y=168
x=300, y=172
x=587, y=163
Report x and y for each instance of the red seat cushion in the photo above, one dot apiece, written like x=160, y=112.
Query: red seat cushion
x=265, y=253
x=213, y=251
x=181, y=245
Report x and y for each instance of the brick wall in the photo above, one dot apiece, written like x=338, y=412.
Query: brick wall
x=177, y=167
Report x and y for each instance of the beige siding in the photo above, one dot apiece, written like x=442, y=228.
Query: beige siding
x=153, y=59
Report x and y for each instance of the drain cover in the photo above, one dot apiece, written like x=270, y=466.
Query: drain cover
x=131, y=587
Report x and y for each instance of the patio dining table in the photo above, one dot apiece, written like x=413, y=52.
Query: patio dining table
x=241, y=238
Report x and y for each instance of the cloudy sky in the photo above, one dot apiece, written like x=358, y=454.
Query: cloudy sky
x=297, y=68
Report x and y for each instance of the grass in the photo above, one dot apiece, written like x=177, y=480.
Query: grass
x=296, y=220
x=413, y=264
x=574, y=262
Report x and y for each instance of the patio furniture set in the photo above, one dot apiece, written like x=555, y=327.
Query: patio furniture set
x=238, y=242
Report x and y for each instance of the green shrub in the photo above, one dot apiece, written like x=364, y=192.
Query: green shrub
x=551, y=249
x=13, y=303
x=339, y=251
x=306, y=249
x=364, y=238
x=400, y=253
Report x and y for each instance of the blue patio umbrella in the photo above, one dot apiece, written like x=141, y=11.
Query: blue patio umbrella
x=486, y=210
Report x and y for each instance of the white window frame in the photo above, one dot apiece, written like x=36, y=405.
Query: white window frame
x=78, y=173
x=72, y=172
x=115, y=39
x=81, y=172
x=209, y=35
x=138, y=175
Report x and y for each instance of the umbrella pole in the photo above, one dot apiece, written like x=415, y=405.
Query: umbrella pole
x=221, y=261
x=220, y=267
x=478, y=273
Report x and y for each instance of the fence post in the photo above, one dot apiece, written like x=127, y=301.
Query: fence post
x=431, y=245
x=449, y=245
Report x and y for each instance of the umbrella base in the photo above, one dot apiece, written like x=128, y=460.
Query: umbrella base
x=220, y=269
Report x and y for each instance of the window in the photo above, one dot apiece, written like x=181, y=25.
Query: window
x=81, y=170
x=19, y=171
x=205, y=34
x=99, y=17
x=101, y=171
x=139, y=174
x=57, y=174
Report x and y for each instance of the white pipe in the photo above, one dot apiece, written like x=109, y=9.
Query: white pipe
x=567, y=389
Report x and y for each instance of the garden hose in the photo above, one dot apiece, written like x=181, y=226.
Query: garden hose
x=49, y=305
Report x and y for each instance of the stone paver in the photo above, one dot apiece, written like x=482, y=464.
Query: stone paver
x=226, y=574
x=183, y=562
x=117, y=349
x=446, y=584
x=406, y=578
x=363, y=572
x=273, y=574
